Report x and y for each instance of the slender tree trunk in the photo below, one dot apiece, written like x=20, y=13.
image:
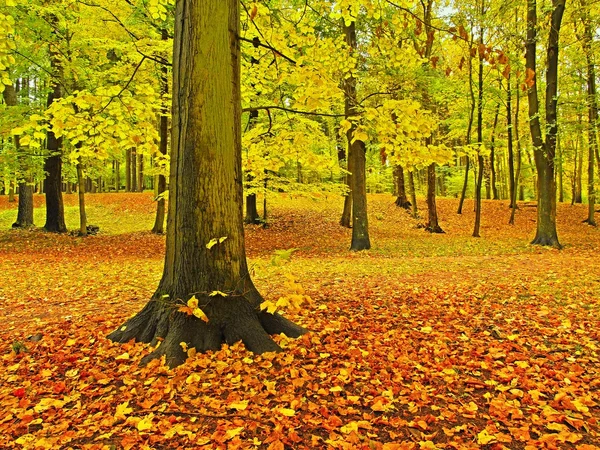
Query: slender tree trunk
x=252, y=216
x=579, y=165
x=356, y=159
x=81, y=194
x=133, y=166
x=592, y=117
x=495, y=195
x=159, y=219
x=479, y=140
x=413, y=194
x=401, y=200
x=468, y=137
x=140, y=173
x=128, y=170
x=117, y=176
x=544, y=152
x=205, y=249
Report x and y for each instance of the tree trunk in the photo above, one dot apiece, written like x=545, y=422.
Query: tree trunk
x=544, y=152
x=25, y=205
x=593, y=118
x=512, y=187
x=128, y=170
x=401, y=200
x=159, y=219
x=205, y=201
x=140, y=183
x=495, y=195
x=479, y=139
x=117, y=176
x=133, y=166
x=413, y=194
x=81, y=194
x=356, y=159
x=55, y=214
x=432, y=224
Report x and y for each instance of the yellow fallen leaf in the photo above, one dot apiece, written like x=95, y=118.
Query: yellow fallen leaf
x=146, y=423
x=233, y=432
x=123, y=410
x=287, y=412
x=485, y=438
x=200, y=314
x=240, y=406
x=426, y=330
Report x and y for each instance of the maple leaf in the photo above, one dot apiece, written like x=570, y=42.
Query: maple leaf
x=146, y=423
x=484, y=438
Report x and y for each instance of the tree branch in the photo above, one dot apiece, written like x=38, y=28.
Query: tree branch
x=281, y=108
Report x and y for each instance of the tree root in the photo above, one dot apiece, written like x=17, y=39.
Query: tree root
x=434, y=229
x=547, y=241
x=231, y=319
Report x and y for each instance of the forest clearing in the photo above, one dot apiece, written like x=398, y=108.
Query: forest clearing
x=426, y=341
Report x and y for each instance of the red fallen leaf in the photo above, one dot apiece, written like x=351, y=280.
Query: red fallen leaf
x=20, y=392
x=59, y=387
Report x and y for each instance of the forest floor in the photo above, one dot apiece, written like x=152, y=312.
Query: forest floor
x=426, y=341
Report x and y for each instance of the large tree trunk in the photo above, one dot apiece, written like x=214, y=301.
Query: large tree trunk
x=55, y=213
x=544, y=151
x=345, y=220
x=205, y=201
x=159, y=219
x=356, y=159
x=401, y=199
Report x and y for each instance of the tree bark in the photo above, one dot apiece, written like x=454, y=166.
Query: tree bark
x=493, y=175
x=413, y=194
x=544, y=151
x=81, y=195
x=512, y=187
x=55, y=213
x=128, y=170
x=402, y=199
x=479, y=139
x=592, y=117
x=432, y=224
x=356, y=158
x=133, y=166
x=205, y=201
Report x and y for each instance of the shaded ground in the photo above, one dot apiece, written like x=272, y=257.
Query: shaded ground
x=427, y=341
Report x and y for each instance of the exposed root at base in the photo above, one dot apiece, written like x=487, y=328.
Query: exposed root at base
x=231, y=319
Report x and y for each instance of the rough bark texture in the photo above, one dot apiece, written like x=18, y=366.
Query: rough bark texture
x=401, y=199
x=55, y=212
x=205, y=200
x=544, y=151
x=432, y=225
x=356, y=159
x=159, y=219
